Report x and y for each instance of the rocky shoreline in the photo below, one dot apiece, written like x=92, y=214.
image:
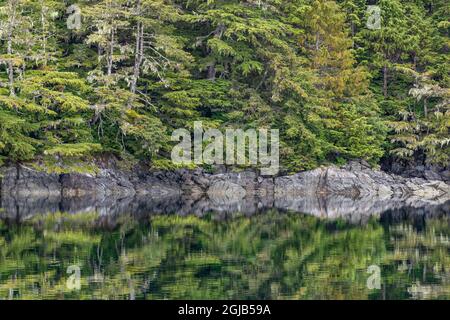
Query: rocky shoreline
x=354, y=180
x=331, y=191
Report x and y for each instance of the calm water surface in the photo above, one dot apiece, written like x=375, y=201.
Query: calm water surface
x=270, y=254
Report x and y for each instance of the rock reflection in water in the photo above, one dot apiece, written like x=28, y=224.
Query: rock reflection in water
x=331, y=206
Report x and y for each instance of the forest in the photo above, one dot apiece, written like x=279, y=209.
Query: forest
x=83, y=78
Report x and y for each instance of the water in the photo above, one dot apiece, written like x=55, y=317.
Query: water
x=251, y=252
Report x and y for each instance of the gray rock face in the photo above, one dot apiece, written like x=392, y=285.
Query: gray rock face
x=328, y=191
x=25, y=182
x=418, y=168
x=356, y=181
x=106, y=183
x=222, y=192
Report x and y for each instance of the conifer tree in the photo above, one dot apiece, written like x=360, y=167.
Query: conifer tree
x=136, y=70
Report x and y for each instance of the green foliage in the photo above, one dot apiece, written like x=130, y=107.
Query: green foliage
x=408, y=60
x=136, y=70
x=15, y=143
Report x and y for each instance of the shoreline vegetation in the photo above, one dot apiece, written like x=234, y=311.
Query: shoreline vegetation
x=131, y=72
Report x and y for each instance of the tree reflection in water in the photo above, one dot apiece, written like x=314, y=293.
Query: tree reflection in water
x=272, y=255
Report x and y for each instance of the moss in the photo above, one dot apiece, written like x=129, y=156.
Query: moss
x=67, y=165
x=167, y=164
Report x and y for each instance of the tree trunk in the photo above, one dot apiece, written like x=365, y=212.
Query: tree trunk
x=211, y=72
x=139, y=54
x=425, y=107
x=317, y=41
x=385, y=80
x=218, y=33
x=44, y=35
x=109, y=60
x=110, y=53
x=10, y=68
x=353, y=28
x=139, y=51
x=10, y=71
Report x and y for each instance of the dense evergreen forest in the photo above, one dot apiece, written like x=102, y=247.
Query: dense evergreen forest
x=120, y=79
